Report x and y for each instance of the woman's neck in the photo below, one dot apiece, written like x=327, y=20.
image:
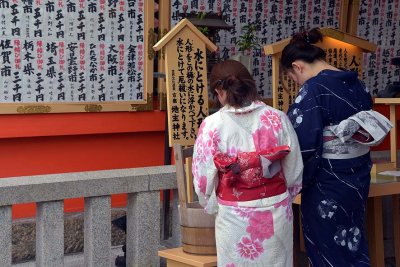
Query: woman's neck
x=320, y=65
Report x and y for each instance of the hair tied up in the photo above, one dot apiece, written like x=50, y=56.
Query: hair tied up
x=307, y=38
x=301, y=47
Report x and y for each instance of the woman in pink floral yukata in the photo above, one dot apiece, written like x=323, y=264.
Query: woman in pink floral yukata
x=247, y=169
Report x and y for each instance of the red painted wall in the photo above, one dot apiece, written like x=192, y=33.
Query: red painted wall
x=59, y=143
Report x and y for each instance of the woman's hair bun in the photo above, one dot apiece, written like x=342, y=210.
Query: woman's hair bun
x=305, y=38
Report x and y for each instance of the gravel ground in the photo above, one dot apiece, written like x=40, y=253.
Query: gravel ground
x=23, y=235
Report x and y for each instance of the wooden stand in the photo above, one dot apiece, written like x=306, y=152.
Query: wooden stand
x=176, y=257
x=197, y=228
x=374, y=221
x=392, y=165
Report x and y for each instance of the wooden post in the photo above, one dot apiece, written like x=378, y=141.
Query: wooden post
x=353, y=10
x=180, y=176
x=164, y=24
x=375, y=231
x=343, y=13
x=148, y=48
x=396, y=227
x=393, y=103
x=393, y=135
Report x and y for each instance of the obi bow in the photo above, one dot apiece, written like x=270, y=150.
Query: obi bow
x=231, y=168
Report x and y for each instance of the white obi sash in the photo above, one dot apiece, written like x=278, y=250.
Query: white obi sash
x=352, y=137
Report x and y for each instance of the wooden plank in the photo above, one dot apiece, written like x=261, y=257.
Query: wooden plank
x=164, y=24
x=149, y=40
x=382, y=166
x=180, y=175
x=296, y=233
x=71, y=107
x=176, y=31
x=275, y=78
x=362, y=44
x=189, y=180
x=396, y=227
x=188, y=152
x=172, y=263
x=276, y=47
x=343, y=13
x=199, y=250
x=385, y=189
x=387, y=100
x=177, y=254
x=375, y=231
x=393, y=135
x=352, y=20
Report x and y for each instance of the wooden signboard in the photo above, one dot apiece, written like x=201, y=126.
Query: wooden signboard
x=186, y=78
x=342, y=51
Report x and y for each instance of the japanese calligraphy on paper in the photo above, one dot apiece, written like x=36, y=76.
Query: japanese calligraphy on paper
x=379, y=22
x=275, y=20
x=71, y=51
x=186, y=87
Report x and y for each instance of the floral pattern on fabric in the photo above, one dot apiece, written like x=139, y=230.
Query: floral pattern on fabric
x=302, y=94
x=264, y=138
x=349, y=238
x=296, y=116
x=327, y=209
x=287, y=207
x=244, y=212
x=271, y=120
x=335, y=191
x=261, y=225
x=247, y=231
x=202, y=183
x=294, y=190
x=250, y=249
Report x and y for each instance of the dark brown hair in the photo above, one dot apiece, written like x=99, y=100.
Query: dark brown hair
x=236, y=80
x=301, y=47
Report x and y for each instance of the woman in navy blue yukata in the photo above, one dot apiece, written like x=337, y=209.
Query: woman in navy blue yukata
x=335, y=126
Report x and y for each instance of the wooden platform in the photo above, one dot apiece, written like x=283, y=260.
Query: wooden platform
x=176, y=257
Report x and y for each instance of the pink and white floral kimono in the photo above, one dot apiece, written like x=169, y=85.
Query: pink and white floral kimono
x=250, y=192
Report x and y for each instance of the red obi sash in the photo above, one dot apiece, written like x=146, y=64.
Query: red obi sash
x=243, y=177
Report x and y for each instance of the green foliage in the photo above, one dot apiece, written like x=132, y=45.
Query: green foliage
x=248, y=39
x=204, y=30
x=201, y=15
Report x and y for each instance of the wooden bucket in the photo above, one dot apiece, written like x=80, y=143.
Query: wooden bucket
x=197, y=230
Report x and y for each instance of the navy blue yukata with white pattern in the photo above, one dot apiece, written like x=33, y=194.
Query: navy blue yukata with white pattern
x=335, y=191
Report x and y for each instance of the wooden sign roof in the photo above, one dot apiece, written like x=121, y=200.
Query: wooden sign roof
x=365, y=45
x=179, y=27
